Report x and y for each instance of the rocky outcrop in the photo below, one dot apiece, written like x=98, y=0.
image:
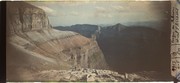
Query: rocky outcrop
x=96, y=75
x=23, y=17
x=33, y=44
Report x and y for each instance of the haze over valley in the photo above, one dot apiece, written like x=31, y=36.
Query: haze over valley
x=88, y=41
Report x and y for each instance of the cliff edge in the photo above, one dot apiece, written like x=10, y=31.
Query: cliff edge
x=33, y=45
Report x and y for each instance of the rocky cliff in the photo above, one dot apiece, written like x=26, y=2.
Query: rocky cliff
x=134, y=48
x=130, y=48
x=33, y=45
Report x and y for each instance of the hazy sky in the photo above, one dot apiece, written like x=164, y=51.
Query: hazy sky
x=103, y=12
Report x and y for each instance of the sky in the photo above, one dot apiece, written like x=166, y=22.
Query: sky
x=66, y=13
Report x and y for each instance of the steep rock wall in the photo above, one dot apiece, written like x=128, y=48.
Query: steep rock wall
x=29, y=32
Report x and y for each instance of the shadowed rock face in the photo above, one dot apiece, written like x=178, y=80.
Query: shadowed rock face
x=33, y=45
x=135, y=49
x=131, y=49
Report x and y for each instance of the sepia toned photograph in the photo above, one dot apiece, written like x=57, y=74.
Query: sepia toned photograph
x=88, y=41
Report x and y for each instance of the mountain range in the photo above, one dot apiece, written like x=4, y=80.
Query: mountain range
x=81, y=52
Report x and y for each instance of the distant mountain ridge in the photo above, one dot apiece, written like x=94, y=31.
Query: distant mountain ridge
x=84, y=29
x=35, y=50
x=130, y=48
x=88, y=30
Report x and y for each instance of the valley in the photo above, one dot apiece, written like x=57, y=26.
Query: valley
x=36, y=51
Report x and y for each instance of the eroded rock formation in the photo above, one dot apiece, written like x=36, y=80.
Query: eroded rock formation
x=33, y=45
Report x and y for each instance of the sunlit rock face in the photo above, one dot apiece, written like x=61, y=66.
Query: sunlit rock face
x=33, y=45
x=23, y=17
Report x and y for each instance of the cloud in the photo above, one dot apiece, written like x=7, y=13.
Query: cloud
x=103, y=15
x=48, y=10
x=112, y=9
x=71, y=12
x=101, y=9
x=77, y=2
x=117, y=7
x=103, y=12
x=74, y=13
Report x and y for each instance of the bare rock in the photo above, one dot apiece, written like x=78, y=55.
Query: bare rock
x=32, y=40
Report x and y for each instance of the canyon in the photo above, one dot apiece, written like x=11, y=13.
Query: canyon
x=33, y=45
x=130, y=48
x=36, y=51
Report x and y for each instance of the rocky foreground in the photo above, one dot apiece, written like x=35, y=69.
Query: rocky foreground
x=38, y=52
x=93, y=75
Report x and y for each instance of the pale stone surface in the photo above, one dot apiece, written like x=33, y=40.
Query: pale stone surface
x=91, y=75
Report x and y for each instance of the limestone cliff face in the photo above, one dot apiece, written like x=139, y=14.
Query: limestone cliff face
x=23, y=17
x=43, y=47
